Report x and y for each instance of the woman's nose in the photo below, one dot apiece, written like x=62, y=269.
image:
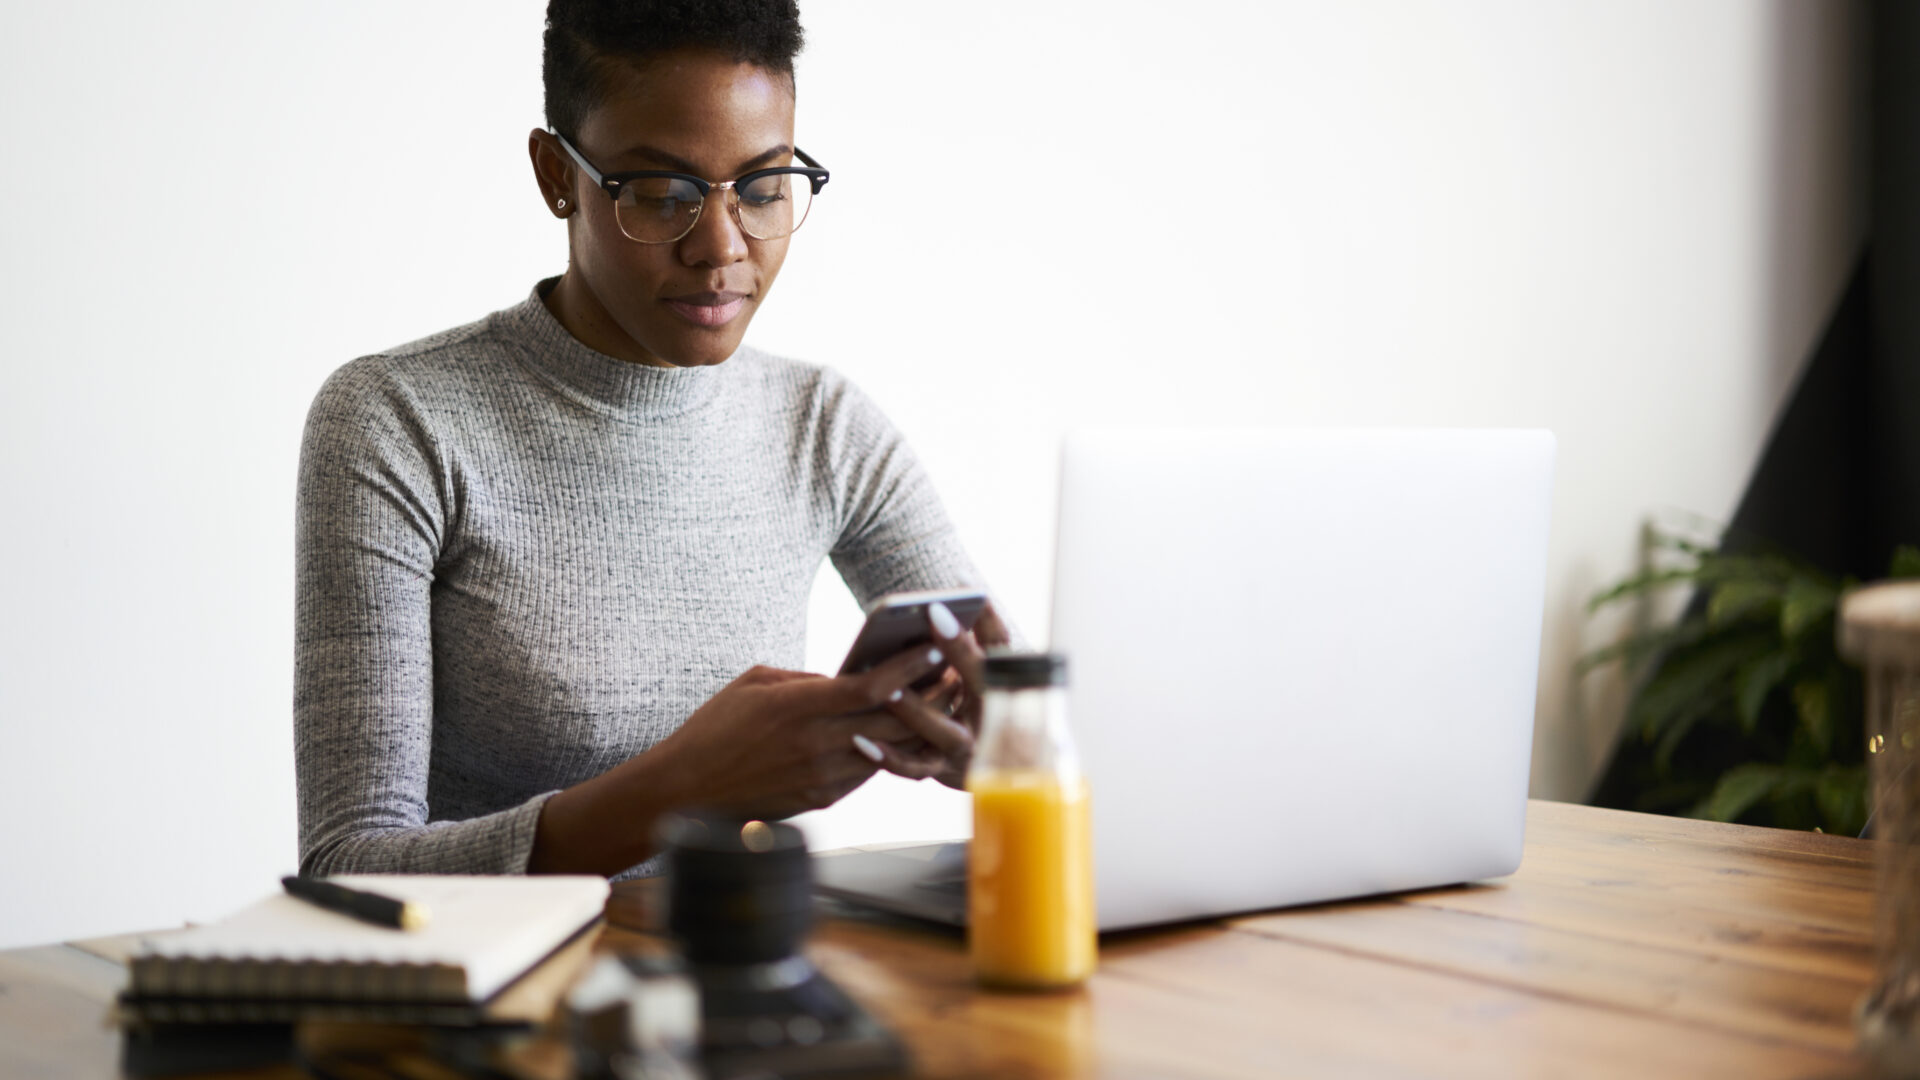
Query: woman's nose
x=716, y=239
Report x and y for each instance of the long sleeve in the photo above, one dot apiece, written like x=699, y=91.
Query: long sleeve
x=375, y=503
x=895, y=535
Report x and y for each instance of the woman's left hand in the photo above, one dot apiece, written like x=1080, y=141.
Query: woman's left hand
x=946, y=718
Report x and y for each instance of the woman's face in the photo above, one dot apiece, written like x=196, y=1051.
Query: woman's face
x=688, y=302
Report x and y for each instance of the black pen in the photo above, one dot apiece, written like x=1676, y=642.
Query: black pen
x=365, y=906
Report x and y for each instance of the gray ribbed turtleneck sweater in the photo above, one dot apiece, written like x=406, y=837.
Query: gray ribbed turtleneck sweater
x=520, y=562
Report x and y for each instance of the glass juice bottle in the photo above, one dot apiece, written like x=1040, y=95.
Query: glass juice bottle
x=1030, y=910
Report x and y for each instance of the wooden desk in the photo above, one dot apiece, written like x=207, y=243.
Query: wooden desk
x=1627, y=945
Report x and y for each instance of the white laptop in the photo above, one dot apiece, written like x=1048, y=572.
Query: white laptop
x=1302, y=667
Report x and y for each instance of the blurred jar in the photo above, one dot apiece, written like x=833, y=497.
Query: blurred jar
x=1880, y=631
x=1030, y=905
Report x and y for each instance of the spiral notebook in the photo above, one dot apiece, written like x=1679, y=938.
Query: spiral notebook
x=284, y=958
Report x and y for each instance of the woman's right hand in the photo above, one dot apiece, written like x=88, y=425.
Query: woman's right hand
x=773, y=742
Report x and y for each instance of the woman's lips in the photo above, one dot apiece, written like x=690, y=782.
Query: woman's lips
x=708, y=309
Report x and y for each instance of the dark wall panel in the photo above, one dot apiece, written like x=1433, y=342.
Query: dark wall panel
x=1893, y=378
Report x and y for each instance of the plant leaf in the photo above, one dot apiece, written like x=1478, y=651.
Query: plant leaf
x=1642, y=582
x=1906, y=562
x=1697, y=677
x=1717, y=567
x=1634, y=649
x=1677, y=729
x=1754, y=682
x=1842, y=795
x=1807, y=603
x=1813, y=700
x=1675, y=542
x=1738, y=789
x=1736, y=600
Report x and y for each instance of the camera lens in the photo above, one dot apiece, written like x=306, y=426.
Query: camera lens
x=739, y=891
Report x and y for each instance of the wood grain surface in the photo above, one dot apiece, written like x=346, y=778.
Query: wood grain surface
x=1627, y=945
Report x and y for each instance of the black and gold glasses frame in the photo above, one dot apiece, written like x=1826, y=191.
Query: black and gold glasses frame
x=660, y=206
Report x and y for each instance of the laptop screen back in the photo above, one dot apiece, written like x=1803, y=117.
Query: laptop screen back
x=1303, y=661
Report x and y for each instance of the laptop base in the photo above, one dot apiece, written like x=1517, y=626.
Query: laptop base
x=926, y=881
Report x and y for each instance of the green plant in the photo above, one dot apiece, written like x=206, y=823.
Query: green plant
x=1742, y=710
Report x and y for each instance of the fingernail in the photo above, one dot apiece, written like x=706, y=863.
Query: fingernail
x=870, y=749
x=933, y=656
x=895, y=696
x=943, y=621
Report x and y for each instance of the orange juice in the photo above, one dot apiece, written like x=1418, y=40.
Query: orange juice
x=1030, y=913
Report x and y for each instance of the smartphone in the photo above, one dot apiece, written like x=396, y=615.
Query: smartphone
x=898, y=621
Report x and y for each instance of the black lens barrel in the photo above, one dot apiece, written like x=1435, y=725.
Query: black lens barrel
x=739, y=892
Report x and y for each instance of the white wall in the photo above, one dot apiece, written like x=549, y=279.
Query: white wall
x=1623, y=221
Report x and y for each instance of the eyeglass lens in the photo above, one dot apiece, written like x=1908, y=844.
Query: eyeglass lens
x=661, y=209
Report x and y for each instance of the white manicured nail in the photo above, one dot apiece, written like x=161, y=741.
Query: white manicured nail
x=933, y=656
x=869, y=748
x=895, y=696
x=943, y=621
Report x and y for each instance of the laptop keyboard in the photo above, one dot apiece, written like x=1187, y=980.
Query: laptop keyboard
x=954, y=887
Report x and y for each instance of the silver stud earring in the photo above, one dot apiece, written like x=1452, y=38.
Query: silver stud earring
x=560, y=204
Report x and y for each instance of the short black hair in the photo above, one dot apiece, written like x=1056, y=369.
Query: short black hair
x=586, y=38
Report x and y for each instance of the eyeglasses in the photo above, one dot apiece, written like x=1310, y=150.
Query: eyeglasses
x=655, y=206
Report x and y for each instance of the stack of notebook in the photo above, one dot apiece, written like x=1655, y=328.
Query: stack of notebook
x=284, y=960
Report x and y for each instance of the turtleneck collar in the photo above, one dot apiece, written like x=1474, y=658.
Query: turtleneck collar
x=617, y=387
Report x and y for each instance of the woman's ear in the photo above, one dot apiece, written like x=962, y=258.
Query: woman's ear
x=552, y=171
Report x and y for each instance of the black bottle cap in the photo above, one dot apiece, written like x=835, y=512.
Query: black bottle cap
x=1021, y=670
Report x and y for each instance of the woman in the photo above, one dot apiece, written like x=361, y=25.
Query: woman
x=553, y=566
